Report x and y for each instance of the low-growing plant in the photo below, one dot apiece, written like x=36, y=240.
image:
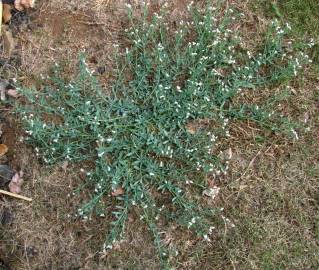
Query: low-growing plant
x=146, y=133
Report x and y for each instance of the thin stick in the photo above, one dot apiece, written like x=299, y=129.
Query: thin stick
x=15, y=195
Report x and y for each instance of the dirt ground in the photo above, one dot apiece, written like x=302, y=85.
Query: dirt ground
x=272, y=202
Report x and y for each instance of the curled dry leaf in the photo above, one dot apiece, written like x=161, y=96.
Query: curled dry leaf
x=119, y=191
x=16, y=183
x=3, y=149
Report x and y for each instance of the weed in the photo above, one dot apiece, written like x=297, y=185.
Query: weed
x=303, y=15
x=138, y=134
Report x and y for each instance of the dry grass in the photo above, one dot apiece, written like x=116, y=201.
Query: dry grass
x=274, y=204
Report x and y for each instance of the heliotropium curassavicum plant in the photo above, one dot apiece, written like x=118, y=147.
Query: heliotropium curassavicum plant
x=138, y=132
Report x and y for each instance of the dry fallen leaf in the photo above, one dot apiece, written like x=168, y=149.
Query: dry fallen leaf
x=22, y=4
x=13, y=93
x=18, y=5
x=16, y=183
x=6, y=13
x=119, y=191
x=17, y=179
x=14, y=188
x=3, y=149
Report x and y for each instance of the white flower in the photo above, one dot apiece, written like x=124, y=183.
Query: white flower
x=295, y=134
x=211, y=229
x=206, y=238
x=101, y=154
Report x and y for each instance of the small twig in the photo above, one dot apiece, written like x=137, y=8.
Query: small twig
x=91, y=23
x=15, y=195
